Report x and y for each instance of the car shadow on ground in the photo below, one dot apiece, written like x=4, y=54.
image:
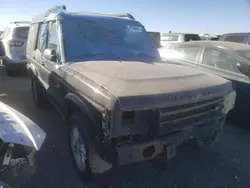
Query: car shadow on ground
x=216, y=166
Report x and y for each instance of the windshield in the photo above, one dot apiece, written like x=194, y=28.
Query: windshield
x=107, y=40
x=21, y=32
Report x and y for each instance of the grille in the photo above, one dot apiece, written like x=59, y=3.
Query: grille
x=178, y=117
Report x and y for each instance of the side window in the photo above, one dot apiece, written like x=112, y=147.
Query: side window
x=220, y=59
x=39, y=37
x=236, y=38
x=189, y=53
x=52, y=40
x=32, y=38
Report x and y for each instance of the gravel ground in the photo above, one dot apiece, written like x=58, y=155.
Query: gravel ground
x=225, y=164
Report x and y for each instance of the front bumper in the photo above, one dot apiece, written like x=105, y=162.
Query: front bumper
x=149, y=150
x=144, y=151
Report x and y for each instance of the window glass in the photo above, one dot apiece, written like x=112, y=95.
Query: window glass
x=113, y=39
x=236, y=38
x=32, y=36
x=21, y=32
x=52, y=40
x=187, y=53
x=39, y=37
x=192, y=37
x=220, y=59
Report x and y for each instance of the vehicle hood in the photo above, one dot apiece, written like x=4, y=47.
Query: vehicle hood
x=18, y=129
x=126, y=79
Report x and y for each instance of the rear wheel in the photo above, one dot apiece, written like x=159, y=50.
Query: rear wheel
x=38, y=93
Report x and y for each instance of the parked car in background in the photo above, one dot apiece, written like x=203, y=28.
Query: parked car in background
x=236, y=37
x=121, y=103
x=156, y=36
x=226, y=59
x=169, y=38
x=14, y=41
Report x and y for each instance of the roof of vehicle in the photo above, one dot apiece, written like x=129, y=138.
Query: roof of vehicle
x=62, y=13
x=235, y=33
x=234, y=46
x=179, y=34
x=19, y=24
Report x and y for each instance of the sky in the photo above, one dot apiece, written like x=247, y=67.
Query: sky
x=197, y=16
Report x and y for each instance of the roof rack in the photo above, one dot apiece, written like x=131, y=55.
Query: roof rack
x=20, y=22
x=125, y=15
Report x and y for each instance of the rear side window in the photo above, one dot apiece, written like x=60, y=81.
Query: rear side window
x=192, y=37
x=170, y=38
x=189, y=53
x=236, y=38
x=21, y=32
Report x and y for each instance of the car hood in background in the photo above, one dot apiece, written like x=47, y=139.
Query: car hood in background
x=18, y=129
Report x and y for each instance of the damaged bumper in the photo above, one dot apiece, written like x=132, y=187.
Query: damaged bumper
x=149, y=150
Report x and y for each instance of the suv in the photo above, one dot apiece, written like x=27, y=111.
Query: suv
x=14, y=40
x=122, y=104
x=168, y=38
x=236, y=37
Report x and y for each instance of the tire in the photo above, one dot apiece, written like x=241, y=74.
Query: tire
x=80, y=148
x=38, y=93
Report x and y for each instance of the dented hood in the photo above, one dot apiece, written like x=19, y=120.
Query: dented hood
x=145, y=84
x=18, y=129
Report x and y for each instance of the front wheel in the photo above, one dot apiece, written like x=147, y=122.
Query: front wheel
x=80, y=145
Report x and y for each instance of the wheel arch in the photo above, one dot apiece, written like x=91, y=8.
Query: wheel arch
x=73, y=104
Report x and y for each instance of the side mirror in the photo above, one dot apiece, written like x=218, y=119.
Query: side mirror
x=50, y=54
x=244, y=68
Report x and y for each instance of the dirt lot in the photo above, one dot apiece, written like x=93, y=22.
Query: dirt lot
x=226, y=164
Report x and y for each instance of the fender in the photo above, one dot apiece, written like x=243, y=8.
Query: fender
x=71, y=97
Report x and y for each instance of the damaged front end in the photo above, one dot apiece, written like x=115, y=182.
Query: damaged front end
x=20, y=139
x=138, y=135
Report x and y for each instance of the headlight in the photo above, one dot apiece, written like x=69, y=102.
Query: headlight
x=229, y=102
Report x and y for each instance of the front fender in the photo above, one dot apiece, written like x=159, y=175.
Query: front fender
x=84, y=107
x=18, y=129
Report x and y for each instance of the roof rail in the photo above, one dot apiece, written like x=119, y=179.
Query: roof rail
x=20, y=22
x=125, y=15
